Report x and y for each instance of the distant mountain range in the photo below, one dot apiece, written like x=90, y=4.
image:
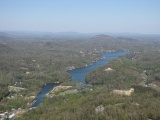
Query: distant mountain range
x=5, y=35
x=29, y=33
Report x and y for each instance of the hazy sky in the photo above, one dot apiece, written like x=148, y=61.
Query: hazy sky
x=134, y=16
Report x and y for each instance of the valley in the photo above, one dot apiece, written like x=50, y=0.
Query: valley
x=27, y=63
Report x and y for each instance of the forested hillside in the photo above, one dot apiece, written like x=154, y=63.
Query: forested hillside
x=29, y=62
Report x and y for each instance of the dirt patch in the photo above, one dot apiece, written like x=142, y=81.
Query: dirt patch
x=123, y=92
x=59, y=88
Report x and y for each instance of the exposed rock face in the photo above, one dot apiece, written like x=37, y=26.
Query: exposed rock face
x=100, y=108
x=123, y=92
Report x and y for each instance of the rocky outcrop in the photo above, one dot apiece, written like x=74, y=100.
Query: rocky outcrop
x=100, y=108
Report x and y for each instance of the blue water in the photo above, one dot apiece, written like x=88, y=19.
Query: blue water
x=78, y=75
x=44, y=91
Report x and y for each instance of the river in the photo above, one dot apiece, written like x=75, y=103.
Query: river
x=78, y=75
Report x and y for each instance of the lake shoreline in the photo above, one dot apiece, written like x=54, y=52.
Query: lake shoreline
x=103, y=61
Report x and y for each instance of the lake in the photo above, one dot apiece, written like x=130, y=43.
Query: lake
x=45, y=89
x=78, y=75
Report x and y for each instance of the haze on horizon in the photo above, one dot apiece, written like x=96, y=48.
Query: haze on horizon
x=85, y=16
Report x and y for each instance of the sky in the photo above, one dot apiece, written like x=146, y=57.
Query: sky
x=85, y=16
